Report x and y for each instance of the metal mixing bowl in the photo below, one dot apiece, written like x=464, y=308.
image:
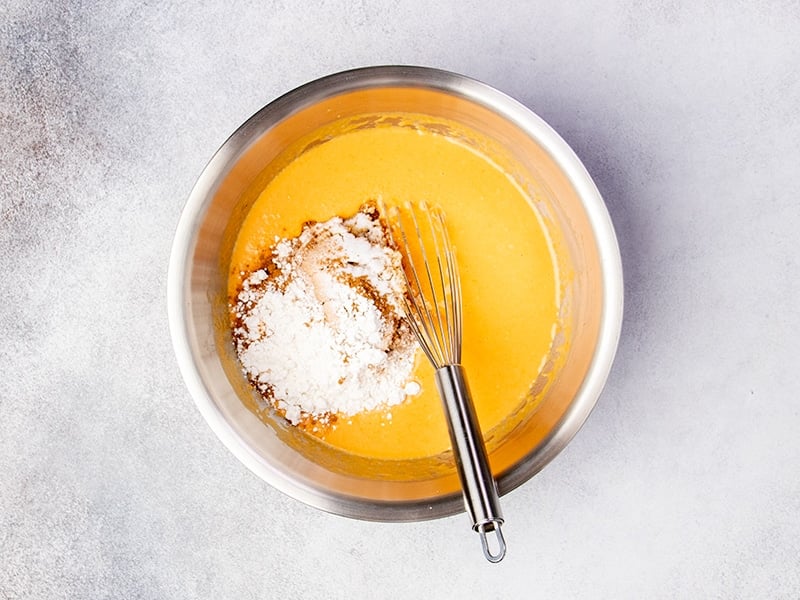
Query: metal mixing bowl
x=303, y=467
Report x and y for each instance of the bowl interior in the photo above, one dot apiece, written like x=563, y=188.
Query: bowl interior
x=301, y=465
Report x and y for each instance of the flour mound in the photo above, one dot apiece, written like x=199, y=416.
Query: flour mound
x=320, y=330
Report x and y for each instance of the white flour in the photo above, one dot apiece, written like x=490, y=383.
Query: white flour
x=320, y=331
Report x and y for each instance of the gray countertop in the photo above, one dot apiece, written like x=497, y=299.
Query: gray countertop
x=684, y=482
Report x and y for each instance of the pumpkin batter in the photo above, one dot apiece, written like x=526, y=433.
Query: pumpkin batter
x=509, y=279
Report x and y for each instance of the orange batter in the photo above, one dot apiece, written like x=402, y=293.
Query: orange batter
x=509, y=280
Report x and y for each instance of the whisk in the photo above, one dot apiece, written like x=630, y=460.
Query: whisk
x=433, y=311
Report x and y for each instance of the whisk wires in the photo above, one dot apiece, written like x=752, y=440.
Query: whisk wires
x=433, y=301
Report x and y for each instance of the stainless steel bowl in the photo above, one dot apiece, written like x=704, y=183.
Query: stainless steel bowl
x=309, y=470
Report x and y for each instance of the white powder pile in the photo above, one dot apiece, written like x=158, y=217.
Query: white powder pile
x=319, y=330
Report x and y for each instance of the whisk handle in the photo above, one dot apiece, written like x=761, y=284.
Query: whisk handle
x=480, y=490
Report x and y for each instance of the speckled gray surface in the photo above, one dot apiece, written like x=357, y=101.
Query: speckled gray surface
x=685, y=481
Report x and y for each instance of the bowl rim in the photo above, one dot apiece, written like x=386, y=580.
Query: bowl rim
x=397, y=76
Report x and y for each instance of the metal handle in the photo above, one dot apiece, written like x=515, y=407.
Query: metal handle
x=480, y=490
